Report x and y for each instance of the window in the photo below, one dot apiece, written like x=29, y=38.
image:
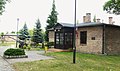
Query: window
x=57, y=38
x=61, y=38
x=68, y=38
x=93, y=38
x=83, y=37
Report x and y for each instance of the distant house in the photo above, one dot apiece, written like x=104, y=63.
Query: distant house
x=91, y=37
x=9, y=37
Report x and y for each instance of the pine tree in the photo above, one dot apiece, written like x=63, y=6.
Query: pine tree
x=52, y=19
x=2, y=38
x=94, y=19
x=37, y=33
x=24, y=34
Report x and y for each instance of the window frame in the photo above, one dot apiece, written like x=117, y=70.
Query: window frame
x=83, y=37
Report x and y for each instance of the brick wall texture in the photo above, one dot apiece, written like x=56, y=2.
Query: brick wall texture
x=112, y=40
x=92, y=46
x=96, y=46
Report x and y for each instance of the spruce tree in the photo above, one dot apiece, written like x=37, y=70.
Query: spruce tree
x=52, y=19
x=94, y=19
x=37, y=33
x=24, y=34
x=2, y=38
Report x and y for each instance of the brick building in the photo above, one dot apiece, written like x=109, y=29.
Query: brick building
x=91, y=37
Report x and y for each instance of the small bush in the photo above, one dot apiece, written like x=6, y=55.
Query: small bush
x=39, y=45
x=29, y=47
x=49, y=44
x=14, y=52
x=35, y=45
x=24, y=47
x=43, y=45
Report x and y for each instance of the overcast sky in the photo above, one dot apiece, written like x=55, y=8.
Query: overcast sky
x=30, y=10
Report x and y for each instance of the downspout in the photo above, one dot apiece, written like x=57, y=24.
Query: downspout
x=103, y=44
x=63, y=38
x=54, y=38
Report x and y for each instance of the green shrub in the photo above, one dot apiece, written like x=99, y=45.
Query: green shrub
x=39, y=45
x=29, y=47
x=49, y=44
x=24, y=47
x=14, y=52
x=43, y=45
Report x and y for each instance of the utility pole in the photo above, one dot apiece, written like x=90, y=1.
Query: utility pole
x=17, y=32
x=74, y=39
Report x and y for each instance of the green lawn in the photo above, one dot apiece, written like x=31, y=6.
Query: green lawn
x=36, y=49
x=63, y=62
x=7, y=43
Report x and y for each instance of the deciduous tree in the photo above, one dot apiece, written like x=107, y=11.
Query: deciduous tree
x=112, y=7
x=2, y=5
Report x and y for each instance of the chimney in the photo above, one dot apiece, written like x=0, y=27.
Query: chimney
x=84, y=19
x=98, y=20
x=110, y=20
x=88, y=17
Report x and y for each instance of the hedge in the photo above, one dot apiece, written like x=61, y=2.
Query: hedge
x=49, y=44
x=14, y=52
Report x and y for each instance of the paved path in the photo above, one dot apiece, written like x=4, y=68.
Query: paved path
x=32, y=56
x=5, y=64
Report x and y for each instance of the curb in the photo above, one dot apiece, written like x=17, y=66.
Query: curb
x=14, y=57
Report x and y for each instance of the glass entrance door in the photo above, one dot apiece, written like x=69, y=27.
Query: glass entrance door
x=59, y=40
x=68, y=40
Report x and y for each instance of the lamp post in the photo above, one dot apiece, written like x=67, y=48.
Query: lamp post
x=74, y=39
x=17, y=32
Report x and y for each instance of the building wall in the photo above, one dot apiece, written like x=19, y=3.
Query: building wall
x=92, y=46
x=112, y=42
x=51, y=36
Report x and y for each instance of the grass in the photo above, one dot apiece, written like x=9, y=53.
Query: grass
x=7, y=43
x=36, y=49
x=63, y=62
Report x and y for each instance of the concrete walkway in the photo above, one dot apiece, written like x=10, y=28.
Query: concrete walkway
x=32, y=56
x=5, y=64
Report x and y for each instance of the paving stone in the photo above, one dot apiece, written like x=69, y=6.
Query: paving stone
x=4, y=65
x=32, y=56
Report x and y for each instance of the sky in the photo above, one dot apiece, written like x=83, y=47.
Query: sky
x=28, y=11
